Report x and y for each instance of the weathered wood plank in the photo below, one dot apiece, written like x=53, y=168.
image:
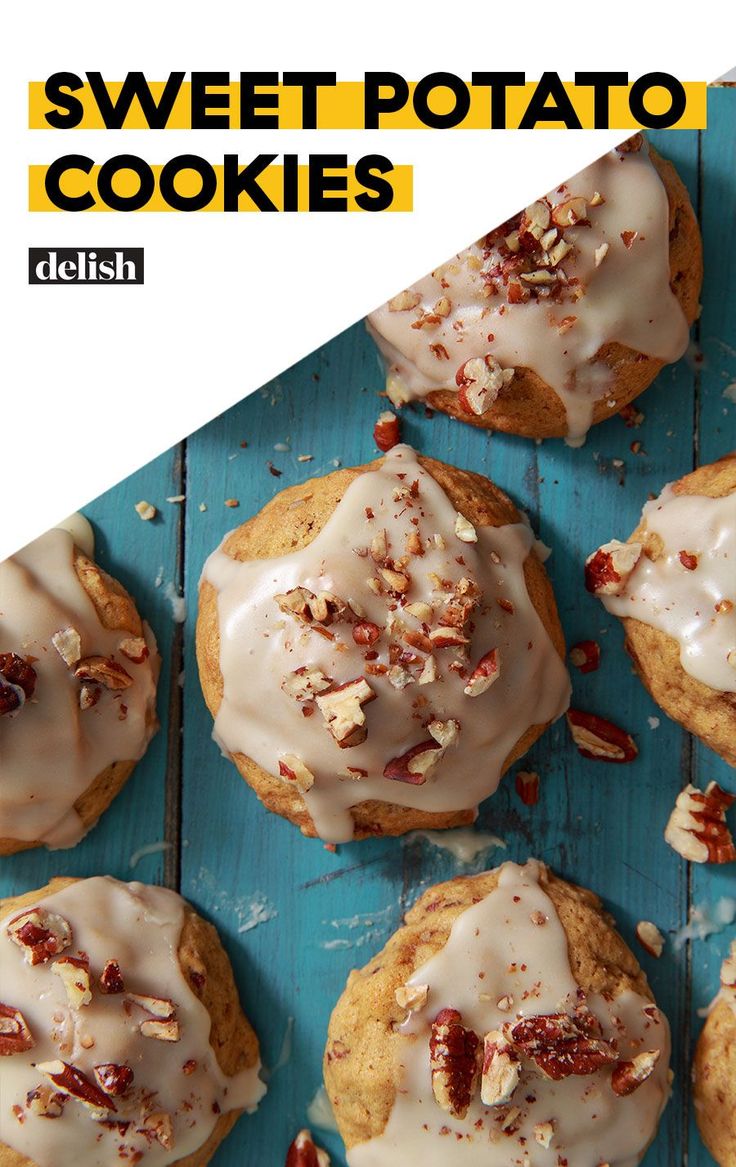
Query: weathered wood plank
x=716, y=436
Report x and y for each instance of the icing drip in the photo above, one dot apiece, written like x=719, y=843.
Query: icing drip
x=81, y=532
x=620, y=261
x=689, y=591
x=139, y=927
x=727, y=991
x=262, y=647
x=497, y=950
x=51, y=749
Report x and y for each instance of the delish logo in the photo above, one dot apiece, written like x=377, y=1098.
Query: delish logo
x=88, y=265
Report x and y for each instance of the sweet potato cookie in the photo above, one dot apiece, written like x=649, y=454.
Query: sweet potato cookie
x=561, y=316
x=78, y=672
x=673, y=585
x=507, y=1014
x=378, y=646
x=714, y=1071
x=120, y=1028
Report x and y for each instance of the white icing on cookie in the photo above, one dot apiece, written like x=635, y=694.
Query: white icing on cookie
x=620, y=262
x=81, y=532
x=51, y=749
x=507, y=958
x=280, y=718
x=689, y=591
x=178, y=1089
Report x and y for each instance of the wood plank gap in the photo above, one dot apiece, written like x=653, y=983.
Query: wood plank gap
x=173, y=799
x=697, y=333
x=689, y=746
x=686, y=1032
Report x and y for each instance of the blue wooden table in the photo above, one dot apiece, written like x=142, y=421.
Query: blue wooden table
x=296, y=918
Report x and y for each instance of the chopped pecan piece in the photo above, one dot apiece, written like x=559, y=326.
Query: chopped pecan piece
x=17, y=671
x=160, y=1126
x=293, y=769
x=429, y=672
x=68, y=644
x=404, y=301
x=586, y=656
x=17, y=682
x=304, y=1152
x=15, y=1036
x=45, y=1102
x=445, y=732
x=89, y=695
x=487, y=670
x=415, y=766
x=421, y=610
x=161, y=1030
x=322, y=609
x=600, y=740
x=74, y=972
x=569, y=213
x=342, y=709
x=609, y=569
x=527, y=787
x=650, y=938
x=41, y=933
x=387, y=431
x=146, y=510
x=104, y=671
x=544, y=1132
x=501, y=1070
x=366, y=633
x=697, y=827
x=454, y=1062
x=114, y=1079
x=398, y=581
x=161, y=1022
x=72, y=1081
x=305, y=683
x=631, y=416
x=461, y=605
x=632, y=145
x=413, y=997
x=418, y=640
x=688, y=560
x=465, y=530
x=628, y=1076
x=156, y=1006
x=534, y=221
x=560, y=1045
x=135, y=648
x=111, y=979
x=446, y=637
x=479, y=381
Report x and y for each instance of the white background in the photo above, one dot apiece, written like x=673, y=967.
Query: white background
x=98, y=380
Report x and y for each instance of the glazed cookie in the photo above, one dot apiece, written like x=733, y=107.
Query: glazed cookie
x=714, y=1071
x=378, y=646
x=674, y=587
x=505, y=1023
x=561, y=316
x=78, y=672
x=119, y=1021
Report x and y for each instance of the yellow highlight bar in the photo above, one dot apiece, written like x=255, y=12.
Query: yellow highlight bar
x=188, y=183
x=341, y=107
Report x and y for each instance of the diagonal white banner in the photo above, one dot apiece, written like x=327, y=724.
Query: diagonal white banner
x=100, y=379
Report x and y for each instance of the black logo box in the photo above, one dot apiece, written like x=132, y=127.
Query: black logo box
x=85, y=265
